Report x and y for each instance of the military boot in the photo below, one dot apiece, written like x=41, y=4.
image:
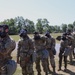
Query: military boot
x=39, y=73
x=59, y=67
x=54, y=70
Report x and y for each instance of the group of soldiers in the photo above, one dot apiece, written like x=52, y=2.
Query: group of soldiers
x=42, y=45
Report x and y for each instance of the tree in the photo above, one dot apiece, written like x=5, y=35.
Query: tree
x=11, y=24
x=19, y=22
x=64, y=27
x=12, y=27
x=29, y=25
x=45, y=24
x=57, y=28
x=39, y=26
x=74, y=26
x=70, y=26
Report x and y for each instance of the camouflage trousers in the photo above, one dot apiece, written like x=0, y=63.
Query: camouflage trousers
x=3, y=70
x=44, y=64
x=60, y=60
x=27, y=68
x=51, y=59
x=8, y=67
x=42, y=56
x=70, y=56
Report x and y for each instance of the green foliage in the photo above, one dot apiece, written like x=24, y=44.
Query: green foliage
x=42, y=25
x=64, y=27
x=70, y=26
x=39, y=26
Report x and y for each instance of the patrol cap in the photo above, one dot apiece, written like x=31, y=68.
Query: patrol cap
x=5, y=26
x=69, y=30
x=47, y=33
x=24, y=31
x=36, y=32
x=64, y=34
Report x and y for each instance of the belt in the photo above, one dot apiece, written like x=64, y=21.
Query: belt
x=23, y=52
x=48, y=48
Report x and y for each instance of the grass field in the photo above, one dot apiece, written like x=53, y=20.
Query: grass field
x=71, y=68
x=16, y=37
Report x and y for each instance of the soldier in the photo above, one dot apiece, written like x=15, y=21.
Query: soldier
x=70, y=43
x=50, y=46
x=73, y=34
x=64, y=51
x=24, y=53
x=41, y=53
x=7, y=45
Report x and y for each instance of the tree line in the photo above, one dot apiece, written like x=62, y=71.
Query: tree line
x=42, y=25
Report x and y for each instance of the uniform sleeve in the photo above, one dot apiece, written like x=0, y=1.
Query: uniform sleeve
x=8, y=46
x=47, y=44
x=18, y=48
x=31, y=46
x=53, y=43
x=71, y=40
x=45, y=41
x=62, y=46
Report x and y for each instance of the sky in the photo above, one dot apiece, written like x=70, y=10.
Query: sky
x=57, y=12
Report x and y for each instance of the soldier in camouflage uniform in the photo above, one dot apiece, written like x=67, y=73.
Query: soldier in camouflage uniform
x=64, y=51
x=70, y=43
x=7, y=45
x=73, y=34
x=50, y=46
x=41, y=53
x=24, y=53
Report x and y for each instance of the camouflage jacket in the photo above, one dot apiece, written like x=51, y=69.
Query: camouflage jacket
x=63, y=45
x=50, y=43
x=7, y=45
x=25, y=46
x=40, y=44
x=73, y=34
x=70, y=41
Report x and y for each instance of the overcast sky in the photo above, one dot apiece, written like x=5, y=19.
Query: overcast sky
x=55, y=11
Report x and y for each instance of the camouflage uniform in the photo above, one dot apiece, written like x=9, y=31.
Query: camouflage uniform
x=7, y=45
x=41, y=54
x=62, y=52
x=24, y=53
x=73, y=34
x=70, y=44
x=50, y=46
